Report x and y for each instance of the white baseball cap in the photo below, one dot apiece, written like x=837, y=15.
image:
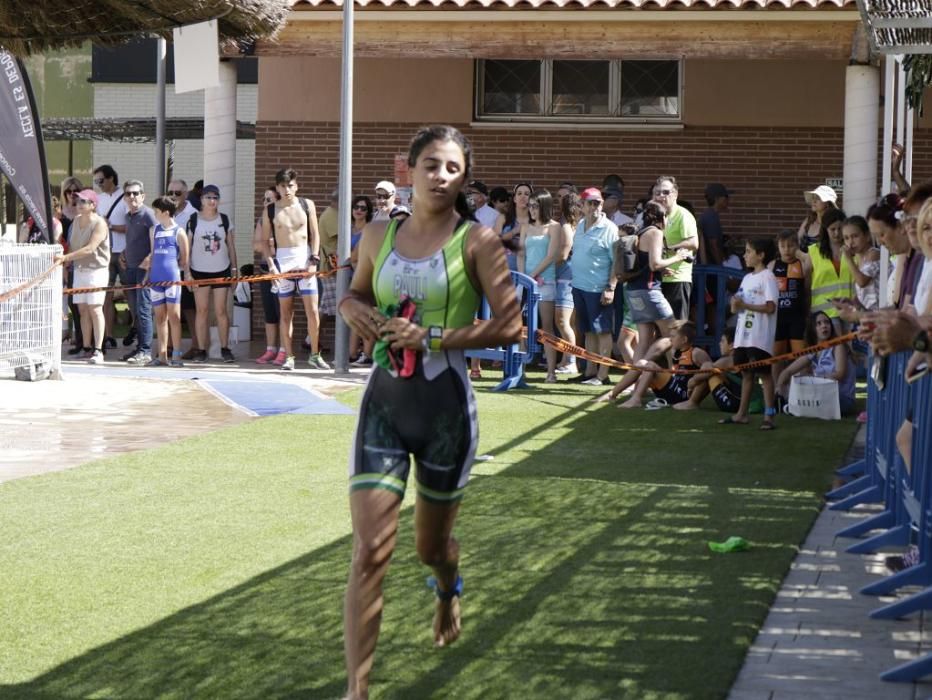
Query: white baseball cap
x=823, y=192
x=386, y=185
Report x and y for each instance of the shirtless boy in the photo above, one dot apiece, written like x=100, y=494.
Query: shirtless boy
x=293, y=223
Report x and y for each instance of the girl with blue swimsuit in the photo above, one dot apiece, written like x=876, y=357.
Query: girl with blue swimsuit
x=169, y=256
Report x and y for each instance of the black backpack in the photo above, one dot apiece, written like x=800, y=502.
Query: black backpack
x=224, y=221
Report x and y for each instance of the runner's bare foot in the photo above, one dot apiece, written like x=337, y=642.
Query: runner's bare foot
x=605, y=398
x=630, y=403
x=447, y=622
x=685, y=406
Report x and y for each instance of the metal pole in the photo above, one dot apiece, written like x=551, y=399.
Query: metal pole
x=160, y=52
x=341, y=355
x=889, y=106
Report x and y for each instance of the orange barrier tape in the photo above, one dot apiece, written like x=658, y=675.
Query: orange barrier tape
x=561, y=345
x=211, y=280
x=10, y=293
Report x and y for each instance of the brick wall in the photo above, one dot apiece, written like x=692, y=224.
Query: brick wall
x=768, y=167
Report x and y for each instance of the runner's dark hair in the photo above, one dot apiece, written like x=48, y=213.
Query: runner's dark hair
x=425, y=136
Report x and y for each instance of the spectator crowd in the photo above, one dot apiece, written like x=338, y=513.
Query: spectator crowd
x=616, y=280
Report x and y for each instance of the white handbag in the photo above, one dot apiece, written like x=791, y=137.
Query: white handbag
x=814, y=397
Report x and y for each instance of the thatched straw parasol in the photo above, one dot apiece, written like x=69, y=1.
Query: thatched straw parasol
x=35, y=26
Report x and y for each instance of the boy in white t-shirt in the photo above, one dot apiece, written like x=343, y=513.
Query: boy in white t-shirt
x=756, y=306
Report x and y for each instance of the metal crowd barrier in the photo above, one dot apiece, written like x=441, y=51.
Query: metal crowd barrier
x=906, y=495
x=513, y=357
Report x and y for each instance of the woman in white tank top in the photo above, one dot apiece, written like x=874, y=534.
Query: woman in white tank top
x=213, y=254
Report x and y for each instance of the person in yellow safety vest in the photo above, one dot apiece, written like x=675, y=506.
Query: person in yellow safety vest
x=831, y=278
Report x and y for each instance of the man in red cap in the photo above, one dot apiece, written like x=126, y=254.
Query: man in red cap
x=594, y=282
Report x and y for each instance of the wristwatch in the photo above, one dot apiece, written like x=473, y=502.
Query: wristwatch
x=434, y=338
x=921, y=342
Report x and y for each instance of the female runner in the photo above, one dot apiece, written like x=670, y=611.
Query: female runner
x=444, y=262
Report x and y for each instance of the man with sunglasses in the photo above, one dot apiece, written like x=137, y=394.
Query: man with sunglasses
x=681, y=232
x=178, y=192
x=139, y=220
x=384, y=200
x=112, y=207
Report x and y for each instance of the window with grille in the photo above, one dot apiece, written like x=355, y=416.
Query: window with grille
x=570, y=90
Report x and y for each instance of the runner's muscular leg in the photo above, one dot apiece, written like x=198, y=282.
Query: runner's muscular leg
x=375, y=530
x=438, y=549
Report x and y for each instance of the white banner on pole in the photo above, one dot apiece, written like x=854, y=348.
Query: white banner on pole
x=197, y=57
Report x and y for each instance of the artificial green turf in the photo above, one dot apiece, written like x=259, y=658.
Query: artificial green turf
x=215, y=566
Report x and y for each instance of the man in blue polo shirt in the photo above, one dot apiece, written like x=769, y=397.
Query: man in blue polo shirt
x=594, y=283
x=139, y=220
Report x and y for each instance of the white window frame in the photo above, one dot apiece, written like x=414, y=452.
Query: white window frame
x=546, y=98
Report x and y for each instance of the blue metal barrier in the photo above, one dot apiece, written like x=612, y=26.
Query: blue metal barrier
x=890, y=412
x=916, y=494
x=720, y=275
x=907, y=496
x=512, y=357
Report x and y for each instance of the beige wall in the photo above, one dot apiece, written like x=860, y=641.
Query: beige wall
x=775, y=93
x=764, y=93
x=384, y=90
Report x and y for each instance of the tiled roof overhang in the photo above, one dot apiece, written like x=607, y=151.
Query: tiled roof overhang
x=898, y=26
x=594, y=4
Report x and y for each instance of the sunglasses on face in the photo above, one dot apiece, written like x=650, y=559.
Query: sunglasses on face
x=134, y=193
x=593, y=202
x=98, y=181
x=71, y=192
x=211, y=197
x=360, y=207
x=176, y=193
x=662, y=193
x=85, y=201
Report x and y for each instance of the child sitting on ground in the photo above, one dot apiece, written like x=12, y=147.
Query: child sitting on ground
x=724, y=386
x=830, y=363
x=756, y=306
x=668, y=388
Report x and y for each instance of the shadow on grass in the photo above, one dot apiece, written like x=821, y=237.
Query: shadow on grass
x=587, y=576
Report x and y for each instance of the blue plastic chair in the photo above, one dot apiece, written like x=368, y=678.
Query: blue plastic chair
x=512, y=357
